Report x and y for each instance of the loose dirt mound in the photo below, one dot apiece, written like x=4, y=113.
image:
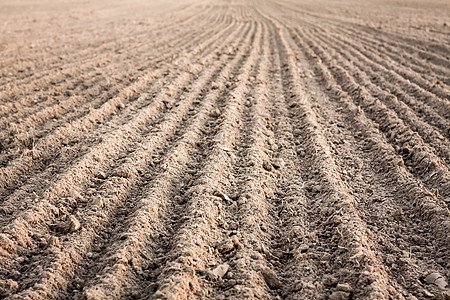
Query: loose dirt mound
x=224, y=149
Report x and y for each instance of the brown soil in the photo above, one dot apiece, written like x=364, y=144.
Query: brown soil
x=225, y=149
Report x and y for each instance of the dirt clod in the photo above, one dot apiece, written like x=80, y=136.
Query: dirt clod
x=339, y=295
x=330, y=280
x=123, y=173
x=345, y=287
x=53, y=241
x=442, y=296
x=7, y=287
x=102, y=175
x=278, y=163
x=222, y=196
x=72, y=224
x=228, y=245
x=225, y=247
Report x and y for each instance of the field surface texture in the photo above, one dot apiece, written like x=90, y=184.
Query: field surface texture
x=225, y=149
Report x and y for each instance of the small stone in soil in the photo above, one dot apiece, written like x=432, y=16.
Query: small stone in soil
x=271, y=279
x=101, y=175
x=221, y=270
x=216, y=113
x=267, y=166
x=437, y=279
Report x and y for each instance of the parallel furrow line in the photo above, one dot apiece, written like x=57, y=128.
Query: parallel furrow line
x=137, y=161
x=415, y=196
x=376, y=175
x=24, y=132
x=78, y=175
x=58, y=78
x=30, y=158
x=106, y=45
x=428, y=133
x=418, y=155
x=332, y=199
x=254, y=189
x=409, y=62
x=437, y=59
x=190, y=243
x=152, y=209
x=411, y=83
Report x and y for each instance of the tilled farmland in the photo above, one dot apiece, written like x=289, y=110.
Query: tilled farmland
x=225, y=149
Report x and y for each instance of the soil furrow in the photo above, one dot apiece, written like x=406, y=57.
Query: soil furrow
x=405, y=60
x=224, y=149
x=14, y=170
x=247, y=221
x=424, y=204
x=59, y=59
x=192, y=243
x=411, y=47
x=390, y=198
x=416, y=154
x=420, y=108
x=132, y=168
x=349, y=30
x=24, y=136
x=149, y=220
x=428, y=133
x=293, y=236
x=51, y=74
x=158, y=38
x=405, y=66
x=19, y=104
x=328, y=199
x=98, y=156
x=439, y=60
x=411, y=83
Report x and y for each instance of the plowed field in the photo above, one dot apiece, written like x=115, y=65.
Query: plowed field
x=225, y=149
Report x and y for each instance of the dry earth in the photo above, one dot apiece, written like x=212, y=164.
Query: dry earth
x=224, y=149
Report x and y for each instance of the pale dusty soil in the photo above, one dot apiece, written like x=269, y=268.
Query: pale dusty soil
x=224, y=149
